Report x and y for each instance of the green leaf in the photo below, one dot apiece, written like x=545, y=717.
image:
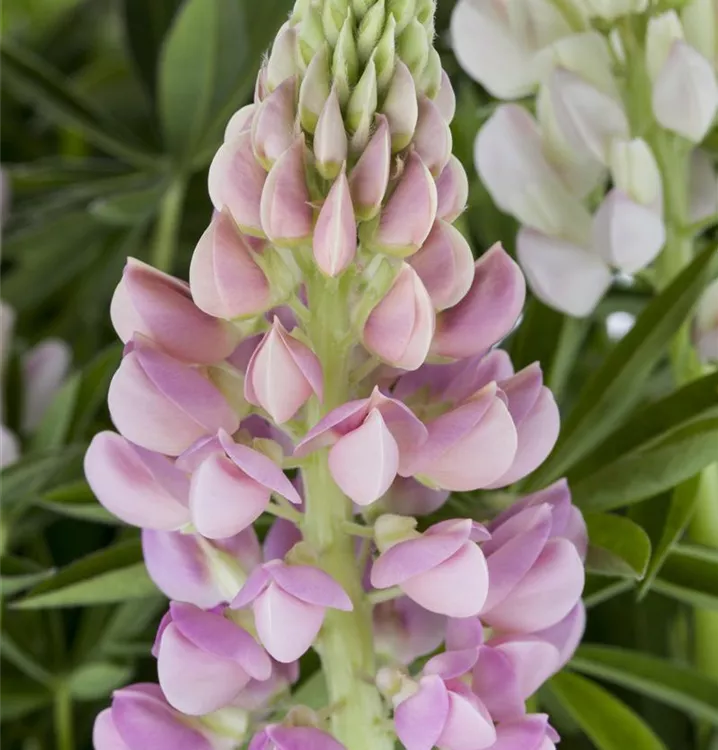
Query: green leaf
x=145, y=26
x=114, y=574
x=673, y=522
x=690, y=574
x=54, y=429
x=599, y=589
x=32, y=474
x=130, y=208
x=96, y=680
x=681, y=687
x=76, y=500
x=618, y=546
x=20, y=697
x=33, y=80
x=618, y=383
x=609, y=723
x=312, y=692
x=17, y=574
x=93, y=391
x=655, y=468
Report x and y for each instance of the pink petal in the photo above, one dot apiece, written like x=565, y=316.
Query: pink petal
x=496, y=685
x=310, y=585
x=452, y=664
x=331, y=427
x=255, y=585
x=452, y=190
x=527, y=733
x=273, y=124
x=335, y=233
x=468, y=725
x=301, y=738
x=420, y=719
x=534, y=661
x=369, y=178
x=364, y=462
x=104, y=733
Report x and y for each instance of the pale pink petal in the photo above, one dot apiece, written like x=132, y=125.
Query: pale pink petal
x=420, y=719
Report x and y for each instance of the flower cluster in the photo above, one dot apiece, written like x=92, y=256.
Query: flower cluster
x=335, y=326
x=619, y=95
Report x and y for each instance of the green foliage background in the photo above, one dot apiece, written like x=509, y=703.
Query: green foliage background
x=111, y=112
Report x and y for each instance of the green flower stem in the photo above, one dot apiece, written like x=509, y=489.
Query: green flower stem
x=345, y=644
x=63, y=719
x=164, y=246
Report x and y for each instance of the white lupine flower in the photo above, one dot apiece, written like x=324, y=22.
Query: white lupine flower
x=634, y=171
x=661, y=32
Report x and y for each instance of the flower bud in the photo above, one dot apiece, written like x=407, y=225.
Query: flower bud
x=282, y=374
x=335, y=233
x=369, y=178
x=345, y=61
x=401, y=107
x=432, y=138
x=164, y=405
x=588, y=118
x=282, y=63
x=273, y=129
x=289, y=603
x=445, y=265
x=446, y=98
x=409, y=213
x=225, y=280
x=370, y=30
x=662, y=31
x=452, y=191
x=138, y=486
x=413, y=48
x=434, y=568
x=626, y=234
x=402, y=11
x=334, y=12
x=204, y=660
x=330, y=138
x=236, y=180
x=385, y=55
x=487, y=312
x=634, y=170
x=706, y=324
x=565, y=276
x=311, y=35
x=285, y=206
x=189, y=568
x=231, y=488
x=314, y=89
x=362, y=107
x=430, y=81
x=685, y=93
x=240, y=121
x=400, y=328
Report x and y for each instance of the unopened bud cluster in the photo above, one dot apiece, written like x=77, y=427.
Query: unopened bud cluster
x=610, y=104
x=335, y=325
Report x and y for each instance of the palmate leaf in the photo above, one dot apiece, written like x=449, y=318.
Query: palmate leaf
x=114, y=574
x=33, y=80
x=681, y=687
x=618, y=383
x=609, y=723
x=618, y=546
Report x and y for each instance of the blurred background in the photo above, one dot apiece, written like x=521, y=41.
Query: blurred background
x=111, y=112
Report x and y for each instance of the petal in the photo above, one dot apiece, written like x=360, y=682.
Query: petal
x=310, y=585
x=527, y=733
x=468, y=725
x=338, y=422
x=496, y=685
x=301, y=738
x=335, y=234
x=534, y=661
x=364, y=462
x=420, y=719
x=452, y=191
x=105, y=735
x=566, y=634
x=255, y=585
x=452, y=664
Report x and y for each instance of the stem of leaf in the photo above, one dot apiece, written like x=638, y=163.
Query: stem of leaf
x=63, y=718
x=164, y=246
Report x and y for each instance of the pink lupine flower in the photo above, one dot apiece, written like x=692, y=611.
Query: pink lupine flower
x=401, y=107
x=289, y=602
x=535, y=563
x=471, y=446
x=205, y=573
x=164, y=405
x=204, y=660
x=236, y=181
x=443, y=713
x=532, y=732
x=443, y=569
x=372, y=439
x=487, y=312
x=400, y=328
x=278, y=737
x=286, y=212
x=231, y=488
x=280, y=538
x=240, y=121
x=259, y=693
x=445, y=265
x=452, y=191
x=335, y=233
x=282, y=374
x=404, y=631
x=369, y=178
x=407, y=497
x=160, y=307
x=445, y=99
x=225, y=280
x=140, y=717
x=406, y=219
x=432, y=137
x=138, y=486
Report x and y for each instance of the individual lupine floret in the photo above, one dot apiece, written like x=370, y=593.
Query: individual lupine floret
x=289, y=602
x=405, y=631
x=278, y=737
x=204, y=659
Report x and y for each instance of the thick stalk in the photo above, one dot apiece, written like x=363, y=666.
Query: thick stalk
x=168, y=223
x=63, y=721
x=345, y=643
